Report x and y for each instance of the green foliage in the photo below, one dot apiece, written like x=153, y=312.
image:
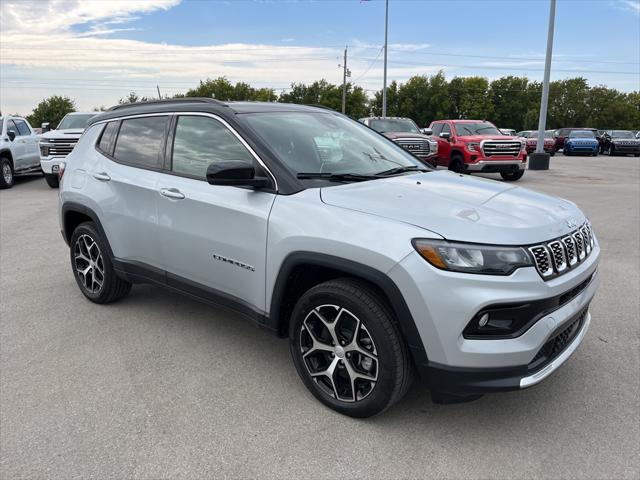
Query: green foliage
x=133, y=97
x=329, y=95
x=51, y=110
x=222, y=89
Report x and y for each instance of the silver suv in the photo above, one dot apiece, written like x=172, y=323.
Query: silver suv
x=324, y=232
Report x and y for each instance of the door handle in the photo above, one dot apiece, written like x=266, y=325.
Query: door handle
x=173, y=193
x=102, y=176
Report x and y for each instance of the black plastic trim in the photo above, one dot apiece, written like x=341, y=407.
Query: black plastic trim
x=471, y=381
x=69, y=207
x=381, y=280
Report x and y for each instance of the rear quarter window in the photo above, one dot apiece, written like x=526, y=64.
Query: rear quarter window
x=105, y=144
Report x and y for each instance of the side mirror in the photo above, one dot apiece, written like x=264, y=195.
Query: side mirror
x=426, y=131
x=445, y=135
x=45, y=127
x=236, y=173
x=11, y=134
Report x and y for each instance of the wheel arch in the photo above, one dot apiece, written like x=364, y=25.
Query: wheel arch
x=73, y=214
x=6, y=153
x=303, y=270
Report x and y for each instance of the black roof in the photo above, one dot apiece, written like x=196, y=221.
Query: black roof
x=197, y=104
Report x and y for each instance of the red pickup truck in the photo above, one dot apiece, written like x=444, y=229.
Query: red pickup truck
x=478, y=146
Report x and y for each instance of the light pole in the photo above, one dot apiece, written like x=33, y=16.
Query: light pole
x=384, y=81
x=540, y=160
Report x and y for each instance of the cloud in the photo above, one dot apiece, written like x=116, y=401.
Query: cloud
x=633, y=5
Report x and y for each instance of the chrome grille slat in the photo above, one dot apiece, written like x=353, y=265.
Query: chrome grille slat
x=424, y=148
x=560, y=255
x=501, y=148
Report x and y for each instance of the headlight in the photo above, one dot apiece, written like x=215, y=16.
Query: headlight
x=44, y=150
x=472, y=258
x=472, y=147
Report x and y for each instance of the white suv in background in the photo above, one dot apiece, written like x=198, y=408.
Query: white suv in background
x=18, y=149
x=372, y=265
x=56, y=144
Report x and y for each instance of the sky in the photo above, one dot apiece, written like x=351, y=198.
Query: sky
x=97, y=51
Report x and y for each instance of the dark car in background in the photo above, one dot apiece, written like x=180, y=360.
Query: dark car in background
x=620, y=142
x=561, y=134
x=406, y=133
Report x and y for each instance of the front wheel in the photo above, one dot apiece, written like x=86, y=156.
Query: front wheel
x=512, y=176
x=347, y=349
x=92, y=267
x=6, y=173
x=52, y=180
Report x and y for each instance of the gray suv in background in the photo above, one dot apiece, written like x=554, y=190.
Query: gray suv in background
x=324, y=232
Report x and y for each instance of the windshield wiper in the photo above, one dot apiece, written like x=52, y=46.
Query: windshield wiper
x=397, y=170
x=335, y=177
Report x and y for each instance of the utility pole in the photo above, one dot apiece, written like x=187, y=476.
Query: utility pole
x=159, y=96
x=384, y=81
x=345, y=73
x=541, y=161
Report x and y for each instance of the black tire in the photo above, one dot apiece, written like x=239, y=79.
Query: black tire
x=457, y=163
x=353, y=299
x=52, y=180
x=6, y=173
x=552, y=153
x=611, y=151
x=113, y=287
x=512, y=176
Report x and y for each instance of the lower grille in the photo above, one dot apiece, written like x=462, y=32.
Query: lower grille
x=500, y=148
x=556, y=344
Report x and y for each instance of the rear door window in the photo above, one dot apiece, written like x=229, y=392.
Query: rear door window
x=140, y=142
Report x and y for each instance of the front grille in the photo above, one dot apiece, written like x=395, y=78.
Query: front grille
x=558, y=256
x=416, y=146
x=501, y=148
x=59, y=147
x=556, y=344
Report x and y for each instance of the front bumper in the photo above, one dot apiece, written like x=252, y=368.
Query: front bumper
x=626, y=149
x=568, y=148
x=442, y=304
x=494, y=166
x=50, y=165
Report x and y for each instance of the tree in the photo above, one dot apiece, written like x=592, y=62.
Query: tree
x=328, y=95
x=222, y=89
x=51, y=110
x=512, y=101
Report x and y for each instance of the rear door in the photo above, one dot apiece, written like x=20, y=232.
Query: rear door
x=126, y=179
x=18, y=148
x=213, y=238
x=30, y=141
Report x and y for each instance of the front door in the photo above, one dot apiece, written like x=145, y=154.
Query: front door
x=213, y=238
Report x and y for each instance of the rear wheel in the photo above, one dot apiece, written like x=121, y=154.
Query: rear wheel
x=347, y=349
x=52, y=180
x=92, y=267
x=6, y=173
x=512, y=176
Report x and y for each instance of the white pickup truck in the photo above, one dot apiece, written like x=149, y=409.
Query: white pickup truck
x=18, y=149
x=56, y=144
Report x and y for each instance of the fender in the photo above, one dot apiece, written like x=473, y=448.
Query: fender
x=8, y=152
x=69, y=207
x=405, y=320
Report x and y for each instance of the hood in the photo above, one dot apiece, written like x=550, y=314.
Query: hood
x=69, y=133
x=395, y=135
x=461, y=207
x=479, y=138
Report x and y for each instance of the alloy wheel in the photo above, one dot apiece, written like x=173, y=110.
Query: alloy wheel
x=339, y=353
x=7, y=174
x=89, y=263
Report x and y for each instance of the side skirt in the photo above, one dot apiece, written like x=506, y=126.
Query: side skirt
x=136, y=272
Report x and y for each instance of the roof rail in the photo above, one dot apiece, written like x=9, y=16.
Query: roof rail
x=169, y=101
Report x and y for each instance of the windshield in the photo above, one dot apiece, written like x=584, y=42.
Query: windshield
x=75, y=121
x=476, y=128
x=547, y=134
x=322, y=142
x=582, y=134
x=394, y=125
x=622, y=134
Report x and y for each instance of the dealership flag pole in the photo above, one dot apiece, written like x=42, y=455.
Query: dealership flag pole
x=545, y=83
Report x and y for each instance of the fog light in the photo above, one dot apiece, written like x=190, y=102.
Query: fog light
x=483, y=320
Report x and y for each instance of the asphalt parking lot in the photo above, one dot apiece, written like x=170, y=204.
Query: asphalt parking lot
x=161, y=386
